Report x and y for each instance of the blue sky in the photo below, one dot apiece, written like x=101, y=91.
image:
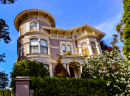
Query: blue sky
x=101, y=14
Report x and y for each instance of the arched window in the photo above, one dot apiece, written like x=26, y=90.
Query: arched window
x=33, y=26
x=85, y=49
x=63, y=48
x=43, y=46
x=34, y=46
x=20, y=51
x=68, y=48
x=46, y=66
x=94, y=49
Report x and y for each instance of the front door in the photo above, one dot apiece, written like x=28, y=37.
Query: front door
x=72, y=72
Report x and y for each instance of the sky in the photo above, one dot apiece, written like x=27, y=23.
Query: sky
x=101, y=14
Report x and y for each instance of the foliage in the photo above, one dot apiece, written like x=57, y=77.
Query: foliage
x=60, y=70
x=68, y=87
x=3, y=80
x=68, y=52
x=1, y=57
x=6, y=92
x=104, y=46
x=7, y=1
x=120, y=29
x=113, y=43
x=4, y=34
x=28, y=68
x=126, y=32
x=111, y=67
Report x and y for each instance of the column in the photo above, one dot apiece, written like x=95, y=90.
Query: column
x=81, y=68
x=50, y=69
x=80, y=50
x=22, y=85
x=89, y=48
x=97, y=46
x=68, y=69
x=64, y=65
x=39, y=48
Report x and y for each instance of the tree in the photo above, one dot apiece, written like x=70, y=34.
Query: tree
x=120, y=29
x=105, y=47
x=4, y=34
x=60, y=70
x=126, y=32
x=113, y=43
x=7, y=1
x=28, y=68
x=3, y=80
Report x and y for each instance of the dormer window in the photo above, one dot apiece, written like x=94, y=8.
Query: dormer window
x=33, y=26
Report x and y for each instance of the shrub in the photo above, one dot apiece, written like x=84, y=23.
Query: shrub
x=6, y=92
x=68, y=53
x=111, y=67
x=28, y=68
x=68, y=87
x=60, y=70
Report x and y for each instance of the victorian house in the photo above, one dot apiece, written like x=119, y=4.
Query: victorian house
x=40, y=40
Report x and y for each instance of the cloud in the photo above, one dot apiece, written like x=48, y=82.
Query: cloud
x=109, y=26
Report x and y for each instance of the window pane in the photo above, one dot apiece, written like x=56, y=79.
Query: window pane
x=34, y=49
x=94, y=49
x=46, y=66
x=33, y=26
x=34, y=42
x=20, y=52
x=85, y=49
x=68, y=48
x=44, y=50
x=43, y=43
x=63, y=48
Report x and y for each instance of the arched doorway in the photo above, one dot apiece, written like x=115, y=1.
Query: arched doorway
x=72, y=72
x=74, y=69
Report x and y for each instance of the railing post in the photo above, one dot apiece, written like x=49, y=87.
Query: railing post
x=22, y=85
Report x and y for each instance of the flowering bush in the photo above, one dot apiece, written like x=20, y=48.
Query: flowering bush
x=111, y=67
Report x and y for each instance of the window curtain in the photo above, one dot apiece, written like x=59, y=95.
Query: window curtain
x=34, y=46
x=85, y=49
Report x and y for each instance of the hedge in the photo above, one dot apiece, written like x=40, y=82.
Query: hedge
x=6, y=92
x=67, y=87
